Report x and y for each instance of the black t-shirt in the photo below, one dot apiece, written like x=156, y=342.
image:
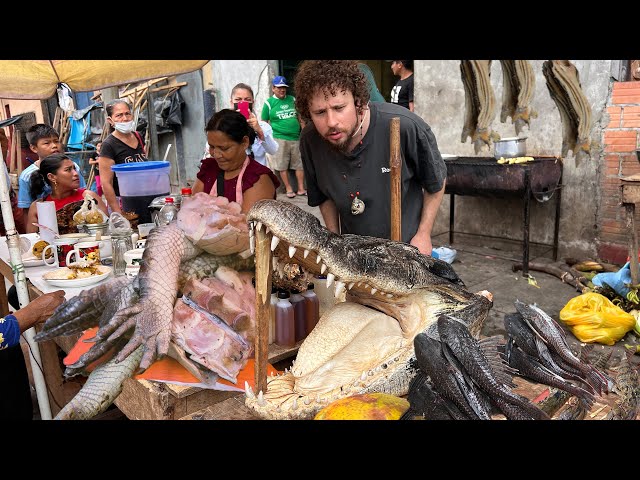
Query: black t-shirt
x=332, y=175
x=120, y=153
x=402, y=92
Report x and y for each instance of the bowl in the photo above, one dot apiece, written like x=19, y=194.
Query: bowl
x=510, y=147
x=134, y=257
x=93, y=228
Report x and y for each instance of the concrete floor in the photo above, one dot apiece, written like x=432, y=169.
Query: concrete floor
x=485, y=264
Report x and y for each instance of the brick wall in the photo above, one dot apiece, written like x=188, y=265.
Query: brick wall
x=620, y=144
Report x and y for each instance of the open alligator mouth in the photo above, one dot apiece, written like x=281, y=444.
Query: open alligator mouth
x=366, y=343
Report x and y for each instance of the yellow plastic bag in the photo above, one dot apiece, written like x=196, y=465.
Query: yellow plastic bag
x=592, y=317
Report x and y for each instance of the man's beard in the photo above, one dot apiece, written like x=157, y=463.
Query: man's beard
x=342, y=147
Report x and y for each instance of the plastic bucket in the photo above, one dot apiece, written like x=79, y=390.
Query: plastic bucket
x=143, y=178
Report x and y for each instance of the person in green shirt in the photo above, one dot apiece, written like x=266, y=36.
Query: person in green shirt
x=280, y=112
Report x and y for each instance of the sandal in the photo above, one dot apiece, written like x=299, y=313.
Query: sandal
x=303, y=194
x=291, y=195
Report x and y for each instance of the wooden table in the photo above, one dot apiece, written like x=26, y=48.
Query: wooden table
x=139, y=399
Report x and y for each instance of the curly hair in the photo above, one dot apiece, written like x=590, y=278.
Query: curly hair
x=330, y=76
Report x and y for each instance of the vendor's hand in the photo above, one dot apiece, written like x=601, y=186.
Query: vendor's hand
x=253, y=123
x=423, y=242
x=44, y=306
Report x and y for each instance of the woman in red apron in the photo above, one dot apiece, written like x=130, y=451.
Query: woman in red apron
x=231, y=172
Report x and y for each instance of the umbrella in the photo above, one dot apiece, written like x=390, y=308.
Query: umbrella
x=38, y=79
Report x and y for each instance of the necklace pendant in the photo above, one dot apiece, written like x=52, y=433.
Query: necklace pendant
x=357, y=206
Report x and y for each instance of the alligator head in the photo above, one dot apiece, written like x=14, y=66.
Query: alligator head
x=365, y=344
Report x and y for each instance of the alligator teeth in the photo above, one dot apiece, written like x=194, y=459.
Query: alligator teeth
x=294, y=405
x=358, y=284
x=252, y=240
x=318, y=258
x=307, y=401
x=266, y=230
x=248, y=391
x=274, y=242
x=259, y=226
x=373, y=290
x=305, y=254
x=350, y=286
x=261, y=401
x=363, y=376
x=339, y=288
x=330, y=277
x=323, y=269
x=274, y=263
x=292, y=251
x=389, y=295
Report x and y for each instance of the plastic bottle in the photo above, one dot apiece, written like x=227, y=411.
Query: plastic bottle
x=311, y=308
x=167, y=213
x=297, y=301
x=285, y=322
x=186, y=192
x=272, y=323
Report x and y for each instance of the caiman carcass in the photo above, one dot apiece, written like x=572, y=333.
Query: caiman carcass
x=363, y=345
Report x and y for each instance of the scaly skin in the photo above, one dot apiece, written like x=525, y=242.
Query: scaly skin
x=101, y=388
x=166, y=248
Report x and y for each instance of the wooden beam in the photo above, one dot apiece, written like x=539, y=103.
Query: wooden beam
x=396, y=176
x=633, y=241
x=144, y=86
x=263, y=307
x=172, y=85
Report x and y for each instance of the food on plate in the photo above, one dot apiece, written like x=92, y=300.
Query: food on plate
x=38, y=247
x=73, y=271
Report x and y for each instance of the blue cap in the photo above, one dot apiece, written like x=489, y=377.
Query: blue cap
x=280, y=81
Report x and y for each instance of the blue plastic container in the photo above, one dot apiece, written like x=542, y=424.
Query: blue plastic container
x=143, y=178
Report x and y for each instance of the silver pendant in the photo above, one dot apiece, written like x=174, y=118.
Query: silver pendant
x=357, y=206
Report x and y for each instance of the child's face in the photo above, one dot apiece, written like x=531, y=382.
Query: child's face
x=46, y=146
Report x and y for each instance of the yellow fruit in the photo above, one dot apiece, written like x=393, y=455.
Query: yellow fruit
x=38, y=247
x=365, y=406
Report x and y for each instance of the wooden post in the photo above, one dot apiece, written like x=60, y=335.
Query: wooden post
x=263, y=307
x=396, y=175
x=633, y=241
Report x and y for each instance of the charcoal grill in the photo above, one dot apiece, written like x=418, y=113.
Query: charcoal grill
x=540, y=178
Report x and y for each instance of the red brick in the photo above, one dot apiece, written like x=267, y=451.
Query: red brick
x=620, y=148
x=630, y=109
x=629, y=165
x=630, y=120
x=621, y=86
x=615, y=117
x=633, y=99
x=613, y=253
x=620, y=134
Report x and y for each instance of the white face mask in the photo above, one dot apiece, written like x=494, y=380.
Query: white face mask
x=125, y=127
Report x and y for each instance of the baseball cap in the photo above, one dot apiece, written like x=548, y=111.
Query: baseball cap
x=280, y=81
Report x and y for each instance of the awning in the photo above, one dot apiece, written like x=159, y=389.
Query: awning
x=38, y=79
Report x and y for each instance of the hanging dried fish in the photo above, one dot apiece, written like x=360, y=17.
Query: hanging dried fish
x=479, y=103
x=518, y=89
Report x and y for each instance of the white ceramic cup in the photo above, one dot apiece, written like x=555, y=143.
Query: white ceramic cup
x=104, y=243
x=84, y=250
x=134, y=257
x=144, y=229
x=61, y=248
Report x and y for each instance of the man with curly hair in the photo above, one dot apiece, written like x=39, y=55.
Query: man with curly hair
x=345, y=151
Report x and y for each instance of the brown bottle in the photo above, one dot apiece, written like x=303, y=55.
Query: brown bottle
x=311, y=308
x=297, y=301
x=285, y=323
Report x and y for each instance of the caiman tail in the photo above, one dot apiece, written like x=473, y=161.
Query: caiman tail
x=101, y=388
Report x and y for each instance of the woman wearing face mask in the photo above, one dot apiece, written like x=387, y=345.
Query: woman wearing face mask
x=232, y=171
x=123, y=145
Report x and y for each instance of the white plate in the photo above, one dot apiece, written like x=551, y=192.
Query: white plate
x=80, y=282
x=32, y=261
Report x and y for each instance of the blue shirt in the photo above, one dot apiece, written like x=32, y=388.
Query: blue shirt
x=9, y=332
x=24, y=196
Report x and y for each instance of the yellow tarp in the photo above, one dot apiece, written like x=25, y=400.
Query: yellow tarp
x=38, y=79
